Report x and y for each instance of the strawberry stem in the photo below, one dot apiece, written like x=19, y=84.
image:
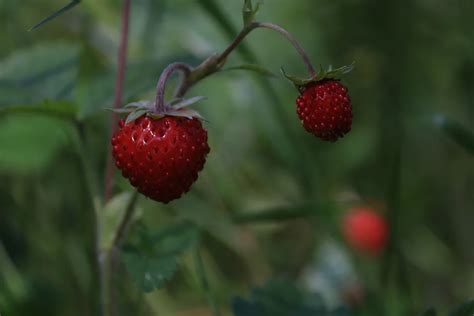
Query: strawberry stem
x=293, y=42
x=215, y=62
x=161, y=86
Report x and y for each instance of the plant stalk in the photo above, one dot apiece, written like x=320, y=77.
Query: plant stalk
x=215, y=62
x=107, y=260
x=119, y=82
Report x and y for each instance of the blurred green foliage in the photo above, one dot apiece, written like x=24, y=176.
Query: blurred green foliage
x=271, y=196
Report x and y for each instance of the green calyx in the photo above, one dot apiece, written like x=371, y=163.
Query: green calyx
x=250, y=11
x=175, y=107
x=322, y=74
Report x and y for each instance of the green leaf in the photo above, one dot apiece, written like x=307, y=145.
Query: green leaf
x=154, y=259
x=466, y=309
x=457, y=132
x=64, y=9
x=149, y=272
x=46, y=71
x=60, y=109
x=252, y=67
x=30, y=143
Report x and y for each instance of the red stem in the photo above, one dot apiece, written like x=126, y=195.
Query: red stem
x=121, y=67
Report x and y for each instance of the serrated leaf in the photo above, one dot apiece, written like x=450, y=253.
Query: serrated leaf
x=155, y=258
x=46, y=71
x=457, y=132
x=30, y=143
x=134, y=115
x=64, y=9
x=466, y=309
x=252, y=67
x=187, y=102
x=149, y=272
x=61, y=109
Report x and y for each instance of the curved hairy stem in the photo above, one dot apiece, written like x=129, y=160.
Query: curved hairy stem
x=293, y=42
x=165, y=75
x=215, y=62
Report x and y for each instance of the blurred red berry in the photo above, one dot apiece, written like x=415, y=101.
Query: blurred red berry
x=161, y=157
x=365, y=230
x=324, y=107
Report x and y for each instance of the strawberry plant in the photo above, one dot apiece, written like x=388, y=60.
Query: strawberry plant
x=153, y=164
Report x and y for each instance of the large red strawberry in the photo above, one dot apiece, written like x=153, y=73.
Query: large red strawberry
x=324, y=106
x=160, y=155
x=365, y=230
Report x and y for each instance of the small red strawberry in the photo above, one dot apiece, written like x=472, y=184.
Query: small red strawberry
x=324, y=106
x=365, y=230
x=325, y=109
x=161, y=155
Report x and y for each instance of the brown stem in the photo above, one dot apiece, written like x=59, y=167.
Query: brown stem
x=121, y=67
x=215, y=62
x=105, y=259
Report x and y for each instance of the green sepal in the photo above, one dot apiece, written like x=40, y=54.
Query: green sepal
x=175, y=107
x=249, y=11
x=320, y=75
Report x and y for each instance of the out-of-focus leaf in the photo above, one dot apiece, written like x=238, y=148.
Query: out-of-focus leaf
x=154, y=259
x=149, y=272
x=64, y=9
x=466, y=309
x=111, y=215
x=46, y=71
x=459, y=133
x=280, y=298
x=273, y=215
x=429, y=312
x=29, y=143
x=60, y=109
x=252, y=67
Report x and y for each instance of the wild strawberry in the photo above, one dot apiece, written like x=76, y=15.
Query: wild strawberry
x=365, y=230
x=161, y=155
x=324, y=107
